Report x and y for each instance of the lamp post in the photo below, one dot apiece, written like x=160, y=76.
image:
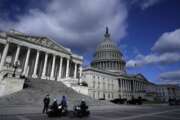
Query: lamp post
x=15, y=66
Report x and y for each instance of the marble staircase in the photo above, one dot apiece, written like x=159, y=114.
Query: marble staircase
x=36, y=90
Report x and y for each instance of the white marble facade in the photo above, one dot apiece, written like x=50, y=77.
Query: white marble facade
x=107, y=85
x=42, y=58
x=101, y=85
x=38, y=57
x=107, y=77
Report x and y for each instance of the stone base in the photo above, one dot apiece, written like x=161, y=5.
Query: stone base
x=34, y=76
x=44, y=77
x=52, y=78
x=10, y=85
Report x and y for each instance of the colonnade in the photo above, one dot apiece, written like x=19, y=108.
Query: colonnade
x=130, y=88
x=56, y=60
x=111, y=65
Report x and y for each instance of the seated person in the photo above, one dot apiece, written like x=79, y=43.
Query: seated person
x=83, y=106
x=54, y=106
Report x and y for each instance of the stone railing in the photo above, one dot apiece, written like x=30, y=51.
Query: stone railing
x=8, y=72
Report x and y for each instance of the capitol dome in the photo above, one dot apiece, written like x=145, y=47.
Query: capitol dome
x=108, y=56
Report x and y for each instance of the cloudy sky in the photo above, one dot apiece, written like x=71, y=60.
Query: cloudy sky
x=146, y=31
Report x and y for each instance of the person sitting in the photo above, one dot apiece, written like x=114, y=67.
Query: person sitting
x=83, y=106
x=54, y=106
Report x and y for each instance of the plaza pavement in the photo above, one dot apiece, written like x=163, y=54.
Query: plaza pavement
x=119, y=112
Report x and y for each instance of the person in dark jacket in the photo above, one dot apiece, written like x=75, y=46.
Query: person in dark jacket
x=83, y=106
x=54, y=106
x=64, y=103
x=46, y=102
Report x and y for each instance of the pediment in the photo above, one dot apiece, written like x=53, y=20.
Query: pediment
x=43, y=41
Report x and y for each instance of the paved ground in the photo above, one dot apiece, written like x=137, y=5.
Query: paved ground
x=122, y=112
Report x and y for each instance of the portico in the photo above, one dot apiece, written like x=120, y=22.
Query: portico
x=38, y=57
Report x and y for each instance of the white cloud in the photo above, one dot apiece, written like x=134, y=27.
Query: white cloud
x=76, y=24
x=168, y=42
x=170, y=77
x=144, y=4
x=166, y=58
x=166, y=50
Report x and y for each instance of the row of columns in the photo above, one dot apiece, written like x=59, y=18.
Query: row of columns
x=132, y=86
x=125, y=85
x=105, y=55
x=34, y=75
x=138, y=86
x=110, y=65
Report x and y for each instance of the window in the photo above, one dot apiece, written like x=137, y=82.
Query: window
x=98, y=95
x=93, y=94
x=104, y=87
x=98, y=84
x=94, y=84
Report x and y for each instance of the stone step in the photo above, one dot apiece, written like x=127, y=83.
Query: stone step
x=37, y=89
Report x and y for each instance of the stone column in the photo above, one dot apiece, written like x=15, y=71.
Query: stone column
x=142, y=89
x=67, y=68
x=136, y=88
x=75, y=70
x=53, y=67
x=124, y=88
x=36, y=65
x=3, y=58
x=44, y=68
x=26, y=61
x=80, y=73
x=60, y=69
x=103, y=65
x=143, y=86
x=128, y=85
x=125, y=84
x=17, y=54
x=121, y=88
x=133, y=88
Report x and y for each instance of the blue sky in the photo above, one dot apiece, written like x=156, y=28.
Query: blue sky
x=146, y=31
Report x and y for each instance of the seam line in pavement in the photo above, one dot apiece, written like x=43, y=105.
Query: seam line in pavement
x=22, y=117
x=148, y=114
x=167, y=117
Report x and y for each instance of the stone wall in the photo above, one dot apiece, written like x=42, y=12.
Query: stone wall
x=10, y=85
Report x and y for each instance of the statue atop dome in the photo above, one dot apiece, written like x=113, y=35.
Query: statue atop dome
x=107, y=33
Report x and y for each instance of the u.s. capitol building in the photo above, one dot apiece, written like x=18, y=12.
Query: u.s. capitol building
x=36, y=57
x=107, y=78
